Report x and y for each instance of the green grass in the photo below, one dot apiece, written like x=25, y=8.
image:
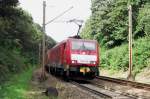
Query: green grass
x=16, y=86
x=116, y=59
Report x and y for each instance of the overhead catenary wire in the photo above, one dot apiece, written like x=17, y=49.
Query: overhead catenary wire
x=59, y=15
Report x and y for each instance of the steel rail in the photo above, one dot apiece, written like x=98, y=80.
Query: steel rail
x=103, y=95
x=111, y=89
x=126, y=82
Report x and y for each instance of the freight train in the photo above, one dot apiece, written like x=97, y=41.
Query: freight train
x=74, y=58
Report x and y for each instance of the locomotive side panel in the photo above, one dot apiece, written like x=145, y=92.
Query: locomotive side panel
x=55, y=57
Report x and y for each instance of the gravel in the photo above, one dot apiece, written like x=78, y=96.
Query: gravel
x=65, y=89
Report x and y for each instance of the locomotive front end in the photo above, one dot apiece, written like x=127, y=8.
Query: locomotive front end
x=84, y=58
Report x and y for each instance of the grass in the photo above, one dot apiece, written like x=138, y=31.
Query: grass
x=17, y=86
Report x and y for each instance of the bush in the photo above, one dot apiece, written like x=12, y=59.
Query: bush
x=117, y=58
x=10, y=62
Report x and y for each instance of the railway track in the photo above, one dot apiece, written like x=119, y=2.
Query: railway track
x=100, y=92
x=131, y=89
x=96, y=87
x=125, y=82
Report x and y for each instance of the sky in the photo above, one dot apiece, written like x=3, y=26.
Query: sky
x=59, y=29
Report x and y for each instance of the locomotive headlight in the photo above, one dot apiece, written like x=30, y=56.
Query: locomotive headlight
x=74, y=61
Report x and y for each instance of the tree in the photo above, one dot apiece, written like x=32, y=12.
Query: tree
x=108, y=23
x=143, y=19
x=6, y=3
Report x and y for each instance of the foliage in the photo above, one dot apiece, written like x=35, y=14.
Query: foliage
x=10, y=62
x=117, y=58
x=143, y=27
x=19, y=40
x=108, y=23
x=87, y=33
x=4, y=3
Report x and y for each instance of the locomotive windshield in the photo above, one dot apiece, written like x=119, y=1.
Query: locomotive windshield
x=83, y=45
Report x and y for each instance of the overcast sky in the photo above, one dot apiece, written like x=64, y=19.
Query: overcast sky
x=58, y=31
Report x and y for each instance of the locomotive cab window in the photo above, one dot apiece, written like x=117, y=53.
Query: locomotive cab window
x=83, y=45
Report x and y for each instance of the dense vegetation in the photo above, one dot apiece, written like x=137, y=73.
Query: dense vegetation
x=109, y=21
x=108, y=24
x=117, y=58
x=19, y=39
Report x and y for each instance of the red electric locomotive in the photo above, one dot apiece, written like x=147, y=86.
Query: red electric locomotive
x=78, y=58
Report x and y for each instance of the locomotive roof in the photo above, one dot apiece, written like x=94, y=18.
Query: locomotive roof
x=70, y=39
x=81, y=39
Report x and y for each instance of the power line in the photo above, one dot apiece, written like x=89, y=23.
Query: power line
x=59, y=15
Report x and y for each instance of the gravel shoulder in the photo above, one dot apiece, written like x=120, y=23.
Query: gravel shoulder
x=65, y=90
